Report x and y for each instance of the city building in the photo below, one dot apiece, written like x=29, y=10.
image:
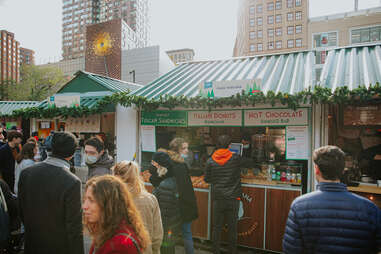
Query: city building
x=26, y=56
x=77, y=14
x=343, y=29
x=143, y=65
x=9, y=57
x=181, y=55
x=68, y=67
x=267, y=27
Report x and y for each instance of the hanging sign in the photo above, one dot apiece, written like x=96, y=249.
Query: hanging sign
x=278, y=117
x=65, y=100
x=215, y=118
x=297, y=143
x=164, y=118
x=227, y=88
x=88, y=124
x=148, y=138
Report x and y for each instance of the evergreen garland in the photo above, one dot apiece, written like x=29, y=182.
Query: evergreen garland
x=342, y=95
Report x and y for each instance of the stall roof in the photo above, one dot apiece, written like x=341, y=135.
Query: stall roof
x=89, y=82
x=7, y=107
x=287, y=73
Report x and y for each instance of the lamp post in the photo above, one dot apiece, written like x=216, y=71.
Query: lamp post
x=133, y=75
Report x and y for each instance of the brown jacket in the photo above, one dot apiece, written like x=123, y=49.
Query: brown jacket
x=149, y=209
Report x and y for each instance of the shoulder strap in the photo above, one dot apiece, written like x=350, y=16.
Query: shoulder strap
x=132, y=239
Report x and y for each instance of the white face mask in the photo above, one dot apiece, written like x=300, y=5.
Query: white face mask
x=90, y=159
x=247, y=146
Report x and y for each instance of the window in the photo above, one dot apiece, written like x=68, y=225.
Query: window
x=270, y=6
x=278, y=44
x=298, y=15
x=320, y=57
x=298, y=43
x=252, y=47
x=270, y=19
x=259, y=8
x=252, y=22
x=270, y=32
x=298, y=2
x=368, y=34
x=260, y=47
x=290, y=3
x=290, y=43
x=325, y=40
x=290, y=30
x=298, y=29
x=252, y=35
x=278, y=5
x=259, y=21
x=278, y=31
x=290, y=16
x=278, y=18
x=260, y=34
x=252, y=9
x=271, y=45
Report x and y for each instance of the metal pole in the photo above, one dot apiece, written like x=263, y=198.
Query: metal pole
x=133, y=75
x=104, y=58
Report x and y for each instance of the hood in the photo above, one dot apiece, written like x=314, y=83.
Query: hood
x=222, y=156
x=105, y=161
x=173, y=155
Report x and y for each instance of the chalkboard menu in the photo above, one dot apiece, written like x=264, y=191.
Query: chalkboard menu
x=362, y=115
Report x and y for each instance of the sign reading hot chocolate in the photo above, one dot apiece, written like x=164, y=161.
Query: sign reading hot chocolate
x=215, y=118
x=279, y=117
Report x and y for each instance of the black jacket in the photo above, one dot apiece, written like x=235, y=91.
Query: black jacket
x=7, y=165
x=225, y=179
x=50, y=207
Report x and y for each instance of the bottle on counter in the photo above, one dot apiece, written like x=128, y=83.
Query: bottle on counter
x=273, y=174
x=299, y=178
x=288, y=175
x=283, y=176
x=278, y=175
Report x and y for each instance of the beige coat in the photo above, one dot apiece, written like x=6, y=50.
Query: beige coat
x=149, y=209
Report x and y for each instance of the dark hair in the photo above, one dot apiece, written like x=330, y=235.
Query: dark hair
x=223, y=141
x=63, y=145
x=27, y=152
x=330, y=160
x=14, y=134
x=95, y=142
x=176, y=144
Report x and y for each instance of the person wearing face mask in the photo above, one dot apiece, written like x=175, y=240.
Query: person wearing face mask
x=97, y=158
x=7, y=165
x=245, y=140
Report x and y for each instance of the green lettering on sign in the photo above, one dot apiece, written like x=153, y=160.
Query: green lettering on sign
x=165, y=118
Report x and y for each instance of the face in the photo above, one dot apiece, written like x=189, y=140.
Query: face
x=91, y=151
x=184, y=149
x=91, y=209
x=17, y=141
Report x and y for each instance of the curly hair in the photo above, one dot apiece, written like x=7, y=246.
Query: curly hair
x=117, y=207
x=128, y=171
x=176, y=144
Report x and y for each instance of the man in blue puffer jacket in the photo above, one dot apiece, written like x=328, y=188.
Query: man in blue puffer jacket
x=331, y=219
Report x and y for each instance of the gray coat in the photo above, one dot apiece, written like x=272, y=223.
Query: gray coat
x=101, y=167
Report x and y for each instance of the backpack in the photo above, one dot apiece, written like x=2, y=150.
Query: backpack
x=4, y=220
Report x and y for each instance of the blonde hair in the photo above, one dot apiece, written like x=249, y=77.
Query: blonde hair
x=129, y=172
x=117, y=207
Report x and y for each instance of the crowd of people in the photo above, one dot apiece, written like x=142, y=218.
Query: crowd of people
x=43, y=209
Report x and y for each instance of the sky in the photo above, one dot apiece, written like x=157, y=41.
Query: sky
x=207, y=26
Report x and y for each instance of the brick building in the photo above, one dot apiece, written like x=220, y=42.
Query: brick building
x=26, y=56
x=9, y=57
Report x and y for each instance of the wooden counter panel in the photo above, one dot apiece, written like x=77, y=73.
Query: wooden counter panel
x=200, y=226
x=278, y=205
x=375, y=198
x=366, y=189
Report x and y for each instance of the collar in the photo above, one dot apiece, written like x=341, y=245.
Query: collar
x=58, y=163
x=336, y=187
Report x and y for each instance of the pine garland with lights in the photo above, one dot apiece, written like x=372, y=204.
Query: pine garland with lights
x=342, y=95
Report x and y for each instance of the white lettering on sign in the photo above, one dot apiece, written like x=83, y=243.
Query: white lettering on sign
x=202, y=118
x=247, y=197
x=268, y=117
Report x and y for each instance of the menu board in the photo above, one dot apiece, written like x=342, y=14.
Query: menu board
x=88, y=124
x=148, y=138
x=297, y=143
x=362, y=115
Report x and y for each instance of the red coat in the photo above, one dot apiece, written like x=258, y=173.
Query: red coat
x=119, y=244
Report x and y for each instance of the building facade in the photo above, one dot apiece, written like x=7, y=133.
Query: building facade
x=343, y=29
x=26, y=56
x=77, y=14
x=181, y=55
x=68, y=67
x=9, y=57
x=271, y=26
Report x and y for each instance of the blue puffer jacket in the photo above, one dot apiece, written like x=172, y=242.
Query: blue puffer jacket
x=332, y=220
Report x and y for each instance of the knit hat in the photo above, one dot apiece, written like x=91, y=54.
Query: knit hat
x=162, y=159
